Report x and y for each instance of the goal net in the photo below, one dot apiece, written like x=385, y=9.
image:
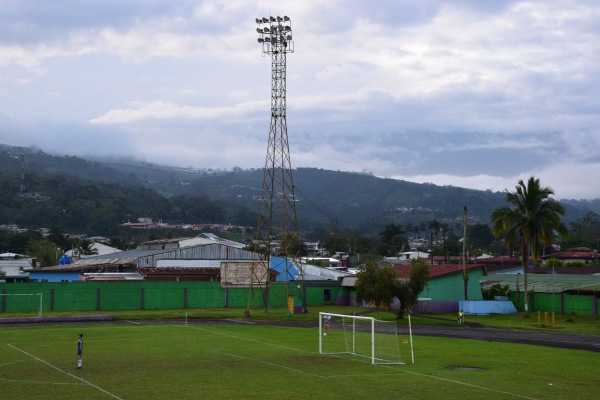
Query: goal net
x=383, y=342
x=21, y=302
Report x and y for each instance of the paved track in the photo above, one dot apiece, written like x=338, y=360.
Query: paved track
x=540, y=338
x=550, y=339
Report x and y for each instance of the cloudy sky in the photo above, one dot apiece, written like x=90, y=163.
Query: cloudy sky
x=469, y=93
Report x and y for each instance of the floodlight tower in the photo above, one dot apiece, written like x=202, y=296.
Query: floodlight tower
x=277, y=230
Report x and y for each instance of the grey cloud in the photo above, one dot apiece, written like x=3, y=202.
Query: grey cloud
x=31, y=21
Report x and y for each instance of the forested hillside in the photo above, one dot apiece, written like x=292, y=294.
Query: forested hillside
x=94, y=197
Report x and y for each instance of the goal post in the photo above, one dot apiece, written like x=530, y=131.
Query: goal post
x=383, y=342
x=22, y=302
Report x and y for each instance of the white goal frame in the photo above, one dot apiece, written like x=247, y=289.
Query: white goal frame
x=361, y=336
x=27, y=294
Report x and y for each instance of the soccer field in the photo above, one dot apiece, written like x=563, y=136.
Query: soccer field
x=250, y=361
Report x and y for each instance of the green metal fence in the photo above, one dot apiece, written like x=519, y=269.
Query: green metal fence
x=560, y=303
x=107, y=296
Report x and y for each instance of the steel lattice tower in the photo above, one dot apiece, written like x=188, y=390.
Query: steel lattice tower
x=277, y=230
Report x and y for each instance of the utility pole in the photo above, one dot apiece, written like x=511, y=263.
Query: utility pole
x=465, y=270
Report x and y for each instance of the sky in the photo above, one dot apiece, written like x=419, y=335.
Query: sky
x=469, y=93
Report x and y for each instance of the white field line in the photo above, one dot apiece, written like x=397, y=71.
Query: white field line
x=40, y=382
x=268, y=363
x=65, y=372
x=29, y=381
x=358, y=360
x=14, y=362
x=250, y=340
x=465, y=384
x=133, y=322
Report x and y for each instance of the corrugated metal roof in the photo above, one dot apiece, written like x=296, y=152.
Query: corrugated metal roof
x=180, y=271
x=543, y=283
x=112, y=276
x=87, y=264
x=191, y=263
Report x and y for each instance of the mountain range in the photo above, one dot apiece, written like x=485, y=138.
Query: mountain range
x=356, y=201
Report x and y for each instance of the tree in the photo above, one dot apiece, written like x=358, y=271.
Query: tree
x=435, y=227
x=291, y=246
x=409, y=288
x=392, y=240
x=44, y=251
x=584, y=232
x=530, y=218
x=85, y=247
x=377, y=285
x=479, y=236
x=57, y=235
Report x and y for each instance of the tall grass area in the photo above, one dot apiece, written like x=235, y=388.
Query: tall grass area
x=248, y=361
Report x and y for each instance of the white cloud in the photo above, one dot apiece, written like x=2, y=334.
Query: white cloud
x=143, y=111
x=475, y=94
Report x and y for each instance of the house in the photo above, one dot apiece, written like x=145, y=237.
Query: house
x=441, y=294
x=178, y=243
x=406, y=256
x=76, y=271
x=578, y=254
x=14, y=267
x=446, y=282
x=308, y=272
x=101, y=248
x=327, y=262
x=152, y=264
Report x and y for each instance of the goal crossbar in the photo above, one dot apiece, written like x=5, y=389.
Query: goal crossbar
x=361, y=336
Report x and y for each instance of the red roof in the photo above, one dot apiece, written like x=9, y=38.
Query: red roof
x=437, y=270
x=576, y=254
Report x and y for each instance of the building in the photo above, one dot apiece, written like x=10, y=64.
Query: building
x=441, y=294
x=579, y=254
x=155, y=260
x=14, y=267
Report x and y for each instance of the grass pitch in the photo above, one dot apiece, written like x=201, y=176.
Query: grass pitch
x=250, y=361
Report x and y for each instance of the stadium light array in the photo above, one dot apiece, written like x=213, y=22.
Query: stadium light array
x=275, y=34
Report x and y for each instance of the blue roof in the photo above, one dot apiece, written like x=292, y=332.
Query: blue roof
x=280, y=265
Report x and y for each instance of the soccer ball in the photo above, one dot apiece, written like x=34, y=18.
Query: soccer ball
x=325, y=334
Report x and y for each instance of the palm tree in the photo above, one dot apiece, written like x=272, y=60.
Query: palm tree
x=531, y=219
x=86, y=248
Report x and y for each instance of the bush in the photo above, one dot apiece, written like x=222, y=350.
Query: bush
x=495, y=290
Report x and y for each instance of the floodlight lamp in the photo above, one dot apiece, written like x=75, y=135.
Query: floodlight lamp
x=279, y=19
x=289, y=37
x=259, y=30
x=272, y=19
x=260, y=40
x=266, y=29
x=286, y=18
x=267, y=39
x=265, y=20
x=258, y=20
x=280, y=27
x=288, y=28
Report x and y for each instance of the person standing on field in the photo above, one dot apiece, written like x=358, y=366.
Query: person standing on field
x=327, y=319
x=461, y=317
x=79, y=350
